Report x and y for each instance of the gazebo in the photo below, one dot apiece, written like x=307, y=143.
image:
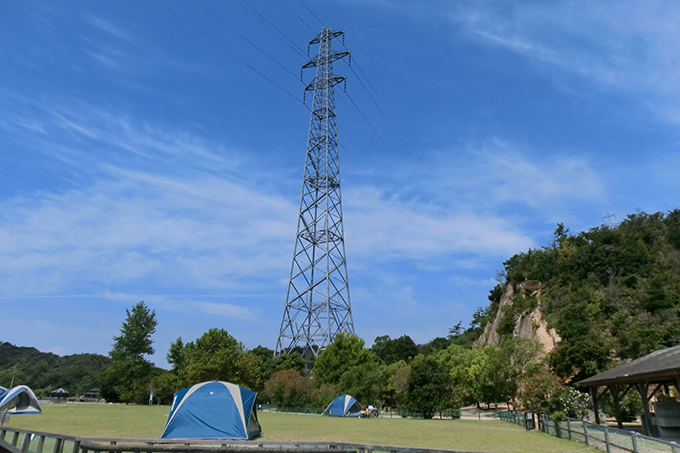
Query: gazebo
x=650, y=375
x=60, y=393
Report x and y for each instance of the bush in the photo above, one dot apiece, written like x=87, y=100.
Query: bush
x=539, y=390
x=575, y=404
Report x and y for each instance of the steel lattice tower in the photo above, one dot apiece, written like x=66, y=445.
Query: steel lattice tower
x=317, y=300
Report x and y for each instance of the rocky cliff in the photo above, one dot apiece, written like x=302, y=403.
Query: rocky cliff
x=530, y=323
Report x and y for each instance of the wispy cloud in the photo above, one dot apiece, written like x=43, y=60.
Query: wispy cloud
x=187, y=214
x=630, y=50
x=109, y=28
x=514, y=182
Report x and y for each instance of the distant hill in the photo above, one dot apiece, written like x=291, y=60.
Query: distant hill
x=45, y=371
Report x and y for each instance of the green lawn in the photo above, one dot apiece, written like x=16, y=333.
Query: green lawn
x=101, y=420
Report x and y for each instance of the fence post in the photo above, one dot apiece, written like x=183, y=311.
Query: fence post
x=635, y=442
x=26, y=443
x=569, y=429
x=585, y=433
x=58, y=445
x=606, y=439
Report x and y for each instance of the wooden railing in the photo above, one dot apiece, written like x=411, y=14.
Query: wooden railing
x=27, y=441
x=602, y=437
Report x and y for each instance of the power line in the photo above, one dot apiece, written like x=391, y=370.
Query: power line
x=404, y=170
x=229, y=52
x=398, y=131
x=246, y=39
x=296, y=48
x=296, y=15
x=394, y=190
x=273, y=28
x=312, y=13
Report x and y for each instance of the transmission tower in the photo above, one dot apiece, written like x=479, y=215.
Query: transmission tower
x=317, y=300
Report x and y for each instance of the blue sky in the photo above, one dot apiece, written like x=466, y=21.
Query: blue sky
x=144, y=158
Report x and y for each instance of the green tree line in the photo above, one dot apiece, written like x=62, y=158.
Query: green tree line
x=45, y=371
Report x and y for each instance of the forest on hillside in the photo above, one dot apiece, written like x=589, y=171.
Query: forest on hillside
x=612, y=292
x=45, y=371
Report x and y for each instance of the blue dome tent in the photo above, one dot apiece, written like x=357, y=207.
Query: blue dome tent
x=344, y=406
x=19, y=400
x=213, y=410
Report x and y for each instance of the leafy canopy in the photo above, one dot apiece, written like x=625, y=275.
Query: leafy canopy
x=135, y=334
x=346, y=351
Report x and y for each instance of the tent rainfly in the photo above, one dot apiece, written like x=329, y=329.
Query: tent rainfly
x=213, y=410
x=344, y=406
x=19, y=400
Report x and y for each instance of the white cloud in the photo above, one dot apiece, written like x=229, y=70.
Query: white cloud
x=201, y=232
x=232, y=311
x=629, y=47
x=162, y=208
x=498, y=177
x=387, y=228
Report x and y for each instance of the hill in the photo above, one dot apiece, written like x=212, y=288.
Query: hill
x=46, y=371
x=602, y=296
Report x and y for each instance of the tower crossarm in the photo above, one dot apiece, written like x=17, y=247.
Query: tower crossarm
x=323, y=59
x=326, y=34
x=313, y=85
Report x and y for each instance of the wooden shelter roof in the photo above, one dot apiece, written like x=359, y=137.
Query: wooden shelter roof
x=659, y=366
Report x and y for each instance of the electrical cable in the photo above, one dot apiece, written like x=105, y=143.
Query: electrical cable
x=312, y=13
x=296, y=15
x=399, y=133
x=246, y=39
x=273, y=28
x=292, y=44
x=229, y=52
x=407, y=174
x=395, y=191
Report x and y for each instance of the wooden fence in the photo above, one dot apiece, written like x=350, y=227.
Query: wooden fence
x=602, y=437
x=27, y=441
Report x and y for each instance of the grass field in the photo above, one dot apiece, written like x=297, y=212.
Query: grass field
x=101, y=420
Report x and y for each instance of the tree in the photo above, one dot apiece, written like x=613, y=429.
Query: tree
x=268, y=361
x=538, y=388
x=364, y=382
x=435, y=345
x=396, y=377
x=288, y=388
x=507, y=365
x=429, y=387
x=292, y=361
x=346, y=351
x=390, y=351
x=135, y=334
x=216, y=355
x=129, y=375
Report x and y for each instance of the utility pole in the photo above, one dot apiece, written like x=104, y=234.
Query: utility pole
x=317, y=301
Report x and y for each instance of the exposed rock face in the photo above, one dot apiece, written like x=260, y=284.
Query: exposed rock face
x=530, y=324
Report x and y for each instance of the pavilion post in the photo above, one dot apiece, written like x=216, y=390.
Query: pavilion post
x=596, y=409
x=617, y=405
x=643, y=388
